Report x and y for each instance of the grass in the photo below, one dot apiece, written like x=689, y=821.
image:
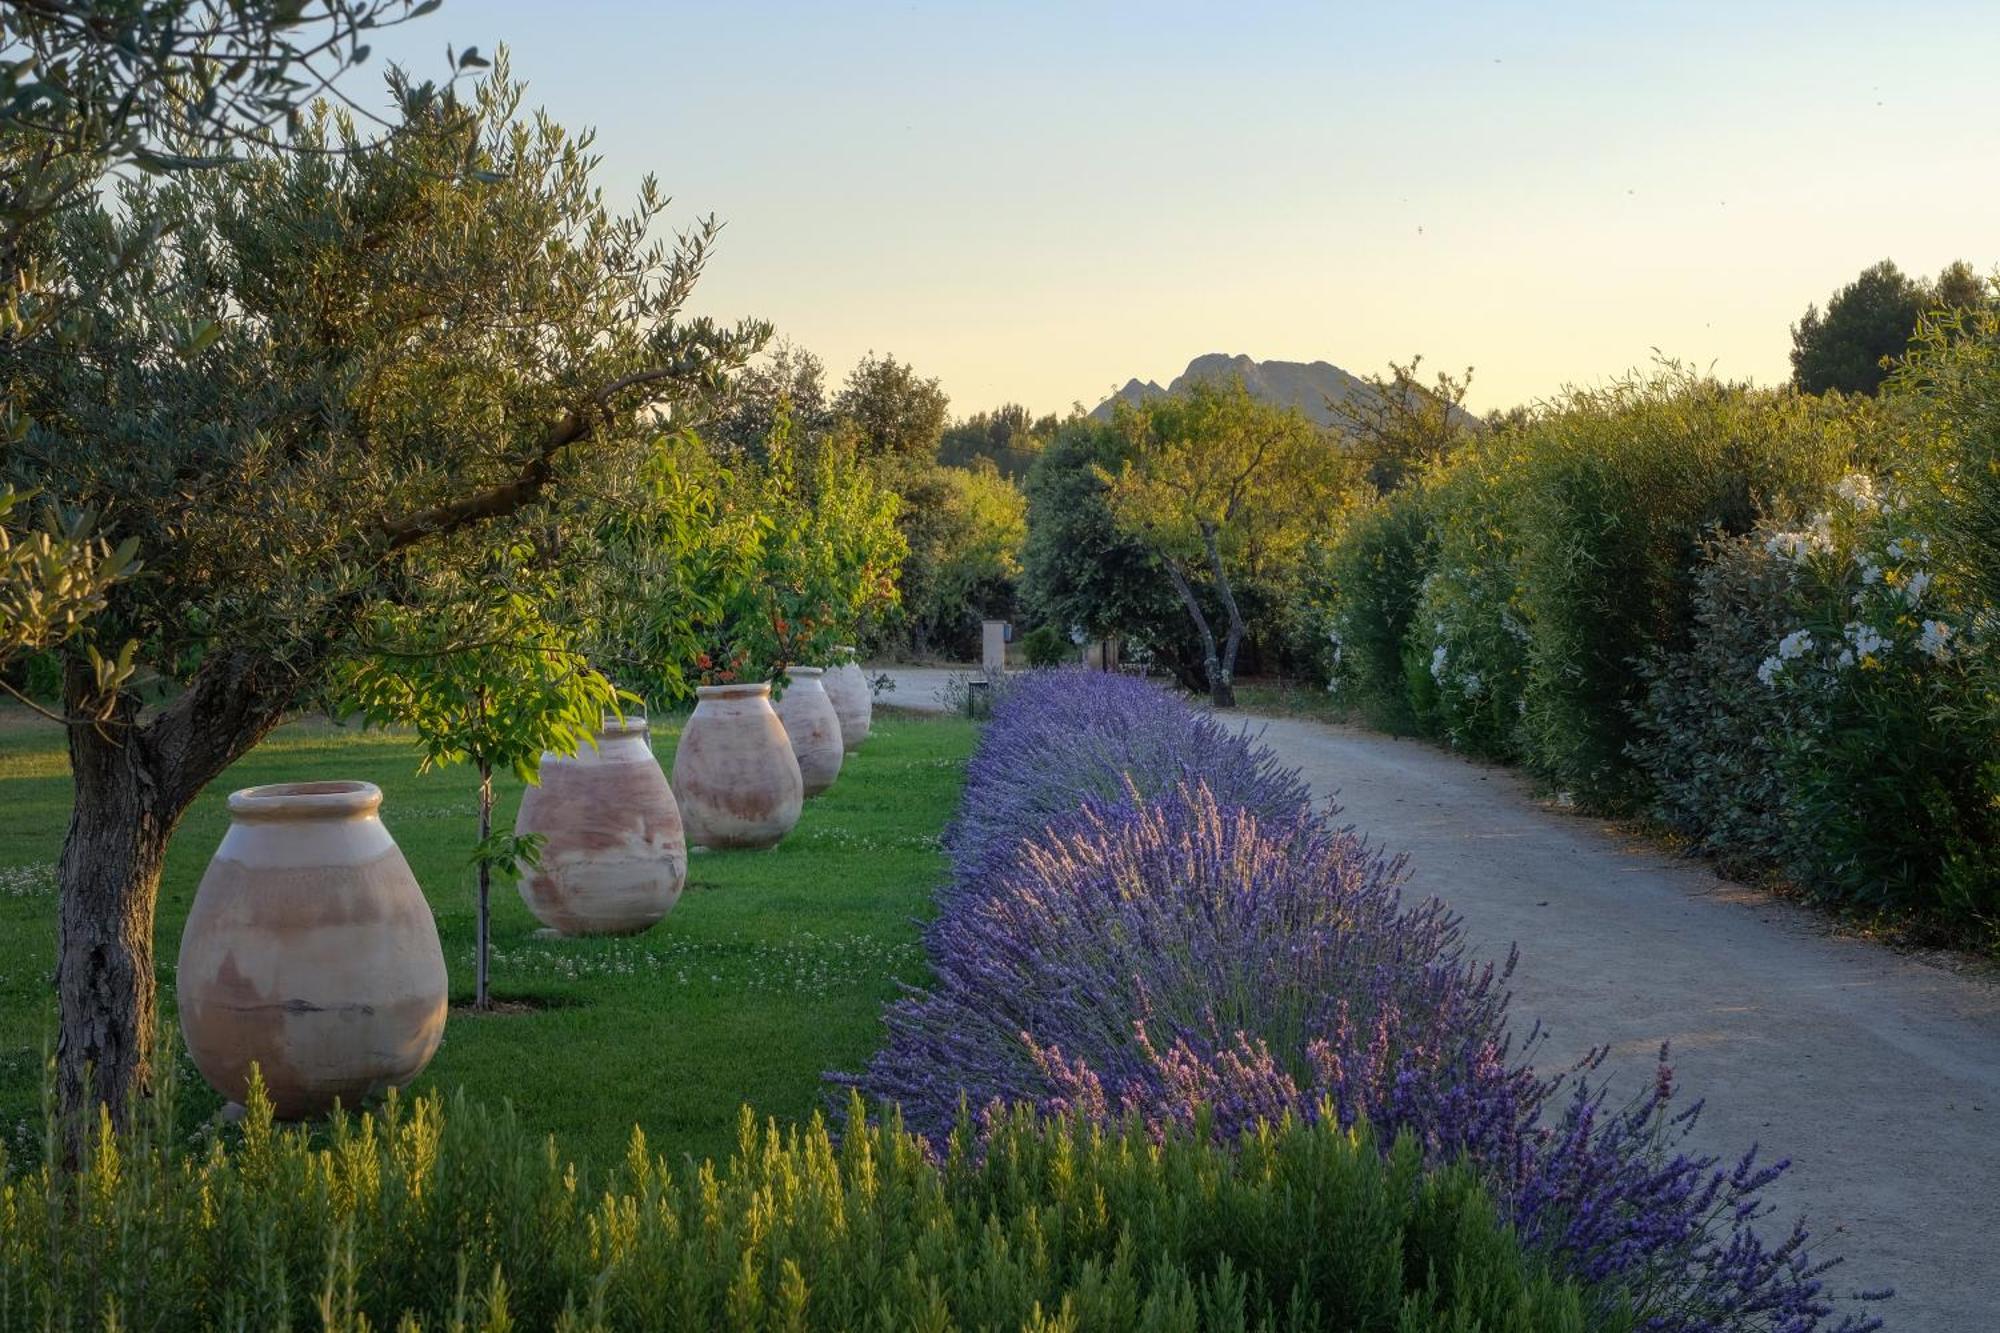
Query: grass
x=1279, y=697
x=772, y=970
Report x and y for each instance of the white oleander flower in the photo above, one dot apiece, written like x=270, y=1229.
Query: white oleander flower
x=1935, y=640
x=1915, y=586
x=1768, y=669
x=1437, y=664
x=1858, y=489
x=1866, y=639
x=1796, y=644
x=1471, y=684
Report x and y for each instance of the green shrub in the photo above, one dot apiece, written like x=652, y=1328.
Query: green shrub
x=1372, y=576
x=1047, y=646
x=415, y=1218
x=1713, y=735
x=1468, y=639
x=1619, y=487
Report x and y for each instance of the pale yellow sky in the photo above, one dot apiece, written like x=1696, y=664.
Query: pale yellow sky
x=1036, y=202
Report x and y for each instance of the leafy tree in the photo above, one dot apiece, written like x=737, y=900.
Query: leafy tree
x=789, y=382
x=482, y=677
x=342, y=368
x=965, y=528
x=1216, y=480
x=1406, y=425
x=1869, y=323
x=164, y=83
x=898, y=414
x=1079, y=571
x=1010, y=437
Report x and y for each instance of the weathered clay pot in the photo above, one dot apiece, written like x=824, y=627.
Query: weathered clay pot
x=735, y=776
x=853, y=704
x=310, y=952
x=812, y=727
x=612, y=860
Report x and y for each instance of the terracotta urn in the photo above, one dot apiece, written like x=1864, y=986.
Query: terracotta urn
x=310, y=952
x=735, y=776
x=853, y=703
x=812, y=727
x=613, y=860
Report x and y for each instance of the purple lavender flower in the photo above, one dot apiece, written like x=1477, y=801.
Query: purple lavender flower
x=1146, y=920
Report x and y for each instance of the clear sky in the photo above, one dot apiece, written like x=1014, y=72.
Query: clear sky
x=1037, y=201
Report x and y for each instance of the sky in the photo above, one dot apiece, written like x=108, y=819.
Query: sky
x=1035, y=202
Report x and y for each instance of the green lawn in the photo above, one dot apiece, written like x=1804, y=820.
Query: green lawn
x=772, y=970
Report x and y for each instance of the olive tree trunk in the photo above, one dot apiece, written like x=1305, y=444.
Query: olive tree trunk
x=1222, y=685
x=134, y=780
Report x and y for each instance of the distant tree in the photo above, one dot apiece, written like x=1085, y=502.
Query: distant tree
x=788, y=382
x=1959, y=287
x=1215, y=480
x=1405, y=425
x=1867, y=323
x=965, y=528
x=1009, y=436
x=1080, y=572
x=334, y=364
x=897, y=413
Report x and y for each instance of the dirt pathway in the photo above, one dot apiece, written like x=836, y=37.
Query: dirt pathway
x=1877, y=1073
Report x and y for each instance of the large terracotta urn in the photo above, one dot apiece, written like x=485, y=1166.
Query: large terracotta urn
x=735, y=776
x=310, y=952
x=853, y=703
x=612, y=859
x=812, y=727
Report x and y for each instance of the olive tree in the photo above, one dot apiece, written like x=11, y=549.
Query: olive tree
x=341, y=372
x=1221, y=486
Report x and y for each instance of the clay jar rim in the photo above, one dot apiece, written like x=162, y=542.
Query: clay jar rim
x=632, y=724
x=805, y=672
x=744, y=690
x=306, y=800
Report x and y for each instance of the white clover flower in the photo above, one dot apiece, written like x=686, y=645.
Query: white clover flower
x=1796, y=644
x=1935, y=641
x=1768, y=669
x=1915, y=586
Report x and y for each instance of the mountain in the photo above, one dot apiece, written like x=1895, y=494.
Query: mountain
x=1316, y=388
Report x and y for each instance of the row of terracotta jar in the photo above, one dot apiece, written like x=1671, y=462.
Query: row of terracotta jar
x=311, y=952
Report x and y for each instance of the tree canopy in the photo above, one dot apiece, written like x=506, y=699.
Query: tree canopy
x=1869, y=323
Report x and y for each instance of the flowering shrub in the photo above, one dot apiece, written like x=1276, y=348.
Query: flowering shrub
x=1902, y=798
x=1155, y=950
x=1061, y=739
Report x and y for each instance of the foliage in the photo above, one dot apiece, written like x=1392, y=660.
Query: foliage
x=1215, y=481
x=1367, y=586
x=965, y=528
x=1010, y=437
x=825, y=554
x=896, y=413
x=1713, y=735
x=1405, y=426
x=426, y=1217
x=54, y=577
x=1896, y=776
x=1047, y=646
x=1619, y=487
x=1079, y=571
x=480, y=676
x=788, y=382
x=1123, y=936
x=1869, y=323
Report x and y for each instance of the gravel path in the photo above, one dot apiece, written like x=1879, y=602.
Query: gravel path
x=1876, y=1072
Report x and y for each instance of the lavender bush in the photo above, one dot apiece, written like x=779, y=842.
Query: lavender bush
x=1147, y=923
